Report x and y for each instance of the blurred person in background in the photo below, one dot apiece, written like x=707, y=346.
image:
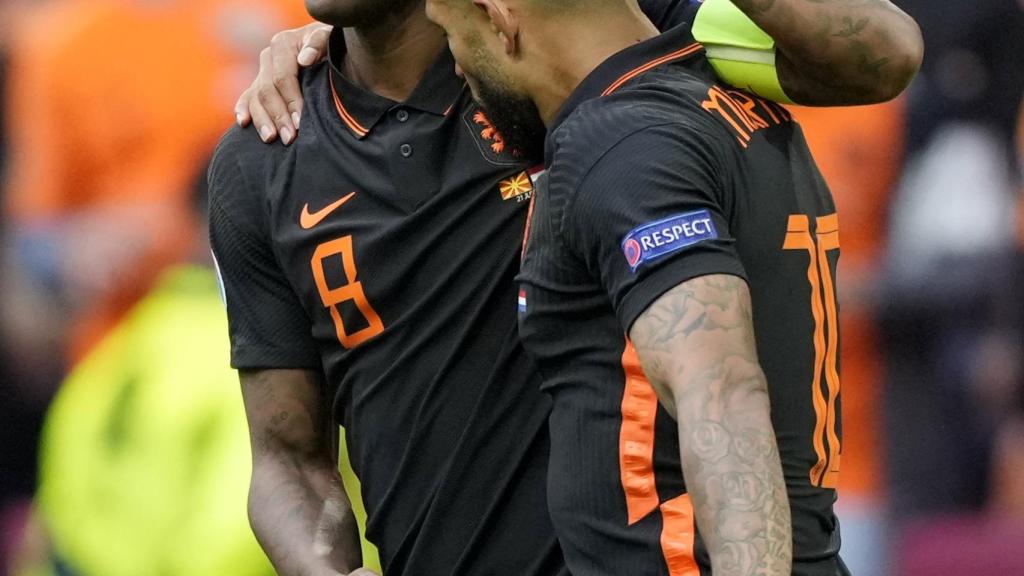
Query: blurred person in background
x=951, y=328
x=145, y=457
x=145, y=453
x=102, y=138
x=100, y=144
x=27, y=378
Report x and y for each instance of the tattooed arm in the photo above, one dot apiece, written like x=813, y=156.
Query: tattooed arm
x=840, y=51
x=834, y=52
x=696, y=344
x=297, y=505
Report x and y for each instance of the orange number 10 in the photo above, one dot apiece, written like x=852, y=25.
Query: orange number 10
x=353, y=291
x=825, y=473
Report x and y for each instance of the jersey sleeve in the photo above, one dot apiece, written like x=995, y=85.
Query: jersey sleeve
x=268, y=326
x=667, y=14
x=650, y=215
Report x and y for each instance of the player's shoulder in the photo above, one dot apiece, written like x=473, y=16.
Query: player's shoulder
x=238, y=146
x=240, y=159
x=241, y=150
x=247, y=176
x=650, y=119
x=667, y=14
x=238, y=177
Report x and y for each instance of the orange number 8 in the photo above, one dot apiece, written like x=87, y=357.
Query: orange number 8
x=353, y=291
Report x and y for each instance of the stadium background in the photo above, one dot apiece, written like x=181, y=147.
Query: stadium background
x=110, y=109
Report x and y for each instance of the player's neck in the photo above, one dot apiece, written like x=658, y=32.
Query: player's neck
x=392, y=56
x=578, y=49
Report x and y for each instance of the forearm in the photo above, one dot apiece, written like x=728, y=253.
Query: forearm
x=832, y=52
x=302, y=518
x=732, y=469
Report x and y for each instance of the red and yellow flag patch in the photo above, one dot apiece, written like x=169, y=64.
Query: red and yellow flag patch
x=518, y=187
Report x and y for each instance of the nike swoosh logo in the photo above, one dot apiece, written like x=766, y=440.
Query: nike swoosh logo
x=307, y=220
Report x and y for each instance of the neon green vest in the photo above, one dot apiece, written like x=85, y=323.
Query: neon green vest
x=145, y=458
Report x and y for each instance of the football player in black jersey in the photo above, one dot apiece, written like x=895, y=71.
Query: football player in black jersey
x=677, y=292
x=368, y=272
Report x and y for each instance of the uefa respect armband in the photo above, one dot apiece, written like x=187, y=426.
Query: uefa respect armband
x=740, y=52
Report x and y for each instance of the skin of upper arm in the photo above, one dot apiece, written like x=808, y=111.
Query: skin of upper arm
x=699, y=331
x=287, y=413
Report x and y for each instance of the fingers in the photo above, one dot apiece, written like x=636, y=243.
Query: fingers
x=242, y=116
x=274, y=107
x=314, y=45
x=363, y=572
x=285, y=72
x=261, y=120
x=273, y=103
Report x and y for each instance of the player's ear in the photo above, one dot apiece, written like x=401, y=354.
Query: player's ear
x=503, y=21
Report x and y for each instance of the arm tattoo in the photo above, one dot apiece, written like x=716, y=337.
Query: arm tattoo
x=696, y=344
x=833, y=52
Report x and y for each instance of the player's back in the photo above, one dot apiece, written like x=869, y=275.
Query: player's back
x=615, y=229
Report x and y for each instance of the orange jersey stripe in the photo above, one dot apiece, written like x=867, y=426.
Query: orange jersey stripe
x=533, y=173
x=354, y=125
x=798, y=237
x=695, y=47
x=636, y=439
x=678, y=534
x=529, y=224
x=828, y=239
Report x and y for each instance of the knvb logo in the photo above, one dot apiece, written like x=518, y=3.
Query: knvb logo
x=490, y=142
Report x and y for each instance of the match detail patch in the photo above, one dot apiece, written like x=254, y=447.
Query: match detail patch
x=656, y=239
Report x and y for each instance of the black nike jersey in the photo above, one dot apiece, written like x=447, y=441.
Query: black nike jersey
x=383, y=245
x=657, y=176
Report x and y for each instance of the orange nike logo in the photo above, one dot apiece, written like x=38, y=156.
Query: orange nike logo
x=307, y=220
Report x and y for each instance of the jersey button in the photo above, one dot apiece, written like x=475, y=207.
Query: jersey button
x=402, y=115
x=406, y=150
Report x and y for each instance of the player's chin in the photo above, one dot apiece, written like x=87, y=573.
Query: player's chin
x=344, y=13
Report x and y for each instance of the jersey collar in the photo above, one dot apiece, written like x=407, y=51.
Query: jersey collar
x=671, y=46
x=361, y=109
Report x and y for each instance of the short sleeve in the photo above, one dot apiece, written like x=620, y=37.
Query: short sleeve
x=667, y=14
x=268, y=326
x=649, y=215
